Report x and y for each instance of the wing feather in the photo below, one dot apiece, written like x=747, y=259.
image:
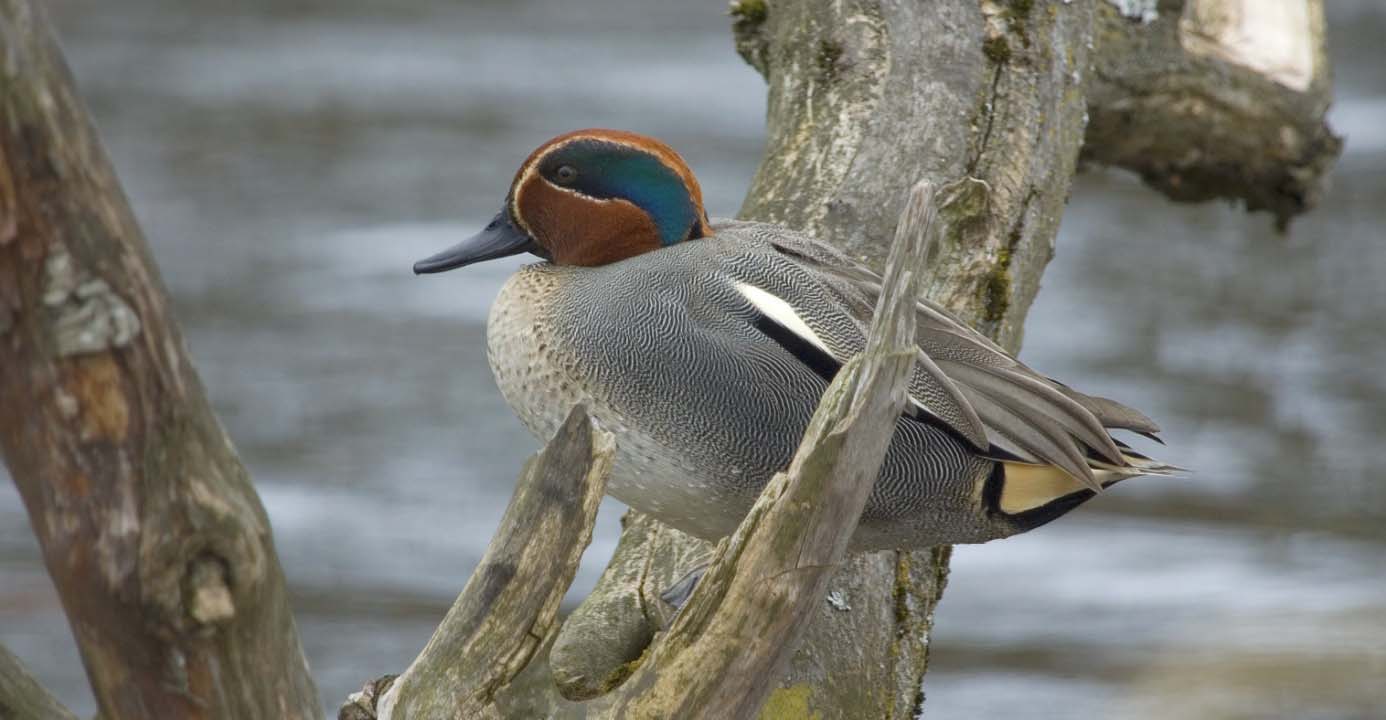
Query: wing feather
x=793, y=328
x=964, y=378
x=1042, y=441
x=1111, y=413
x=1038, y=403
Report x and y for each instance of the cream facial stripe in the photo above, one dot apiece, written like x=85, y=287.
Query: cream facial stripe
x=520, y=181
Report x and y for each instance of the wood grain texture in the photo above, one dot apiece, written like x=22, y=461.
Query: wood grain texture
x=725, y=651
x=1168, y=104
x=150, y=529
x=21, y=696
x=510, y=603
x=866, y=97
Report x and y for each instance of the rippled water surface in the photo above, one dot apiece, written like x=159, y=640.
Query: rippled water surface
x=289, y=160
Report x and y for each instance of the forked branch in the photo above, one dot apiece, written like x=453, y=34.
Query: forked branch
x=510, y=604
x=728, y=646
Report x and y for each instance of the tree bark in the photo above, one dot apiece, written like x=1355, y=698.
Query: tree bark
x=22, y=698
x=867, y=96
x=151, y=531
x=732, y=641
x=510, y=604
x=1210, y=99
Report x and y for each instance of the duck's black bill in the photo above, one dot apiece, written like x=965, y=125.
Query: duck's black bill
x=500, y=238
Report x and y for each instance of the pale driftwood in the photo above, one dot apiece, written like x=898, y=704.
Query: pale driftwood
x=1204, y=103
x=21, y=696
x=727, y=648
x=510, y=604
x=151, y=531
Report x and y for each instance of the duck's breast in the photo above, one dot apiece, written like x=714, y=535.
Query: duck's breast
x=704, y=407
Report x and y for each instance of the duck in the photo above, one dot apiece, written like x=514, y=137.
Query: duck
x=705, y=346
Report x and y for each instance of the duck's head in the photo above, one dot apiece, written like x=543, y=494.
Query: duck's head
x=589, y=197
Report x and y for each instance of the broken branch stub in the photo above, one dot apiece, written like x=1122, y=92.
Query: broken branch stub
x=1210, y=99
x=729, y=646
x=510, y=603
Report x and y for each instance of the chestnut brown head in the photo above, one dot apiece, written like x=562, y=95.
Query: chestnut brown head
x=589, y=197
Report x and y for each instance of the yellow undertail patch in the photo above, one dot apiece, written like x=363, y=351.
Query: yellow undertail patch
x=1027, y=487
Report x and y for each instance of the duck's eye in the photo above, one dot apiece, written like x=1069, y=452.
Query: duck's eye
x=565, y=174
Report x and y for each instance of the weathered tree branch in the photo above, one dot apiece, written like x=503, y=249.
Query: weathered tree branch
x=866, y=96
x=731, y=642
x=726, y=650
x=21, y=696
x=1216, y=99
x=510, y=604
x=161, y=551
x=151, y=531
x=1203, y=99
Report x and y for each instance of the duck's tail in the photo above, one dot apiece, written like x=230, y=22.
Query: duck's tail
x=1029, y=487
x=1135, y=465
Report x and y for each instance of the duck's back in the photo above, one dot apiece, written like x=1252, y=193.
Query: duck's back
x=684, y=355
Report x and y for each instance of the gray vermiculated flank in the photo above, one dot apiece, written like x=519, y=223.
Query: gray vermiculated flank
x=664, y=350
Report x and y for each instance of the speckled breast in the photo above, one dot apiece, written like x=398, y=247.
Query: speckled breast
x=541, y=377
x=664, y=351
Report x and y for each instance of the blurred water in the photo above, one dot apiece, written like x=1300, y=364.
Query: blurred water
x=289, y=160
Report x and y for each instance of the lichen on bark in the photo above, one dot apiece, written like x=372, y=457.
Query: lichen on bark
x=865, y=97
x=915, y=76
x=154, y=538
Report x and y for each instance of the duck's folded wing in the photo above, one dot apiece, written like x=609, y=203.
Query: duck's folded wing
x=963, y=381
x=813, y=325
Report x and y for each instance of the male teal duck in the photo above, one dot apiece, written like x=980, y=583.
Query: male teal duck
x=704, y=346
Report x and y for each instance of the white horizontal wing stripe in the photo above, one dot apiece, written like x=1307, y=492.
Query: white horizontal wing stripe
x=781, y=312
